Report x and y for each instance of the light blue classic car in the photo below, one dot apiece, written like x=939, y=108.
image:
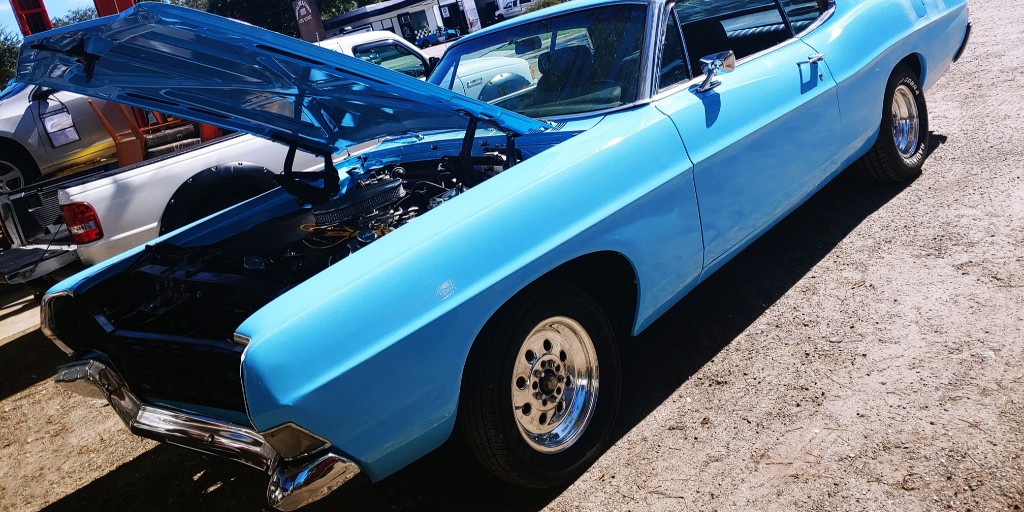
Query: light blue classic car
x=463, y=267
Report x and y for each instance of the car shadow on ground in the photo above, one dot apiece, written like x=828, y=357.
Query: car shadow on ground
x=27, y=360
x=656, y=363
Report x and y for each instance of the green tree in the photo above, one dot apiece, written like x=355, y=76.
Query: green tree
x=10, y=43
x=199, y=5
x=76, y=15
x=540, y=4
x=273, y=15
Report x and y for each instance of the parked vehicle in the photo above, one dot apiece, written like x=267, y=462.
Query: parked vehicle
x=474, y=273
x=382, y=48
x=137, y=203
x=94, y=216
x=440, y=36
x=510, y=8
x=44, y=132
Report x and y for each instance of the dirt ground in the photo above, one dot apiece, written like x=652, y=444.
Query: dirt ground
x=866, y=354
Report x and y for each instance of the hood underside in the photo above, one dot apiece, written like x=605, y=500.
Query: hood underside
x=211, y=69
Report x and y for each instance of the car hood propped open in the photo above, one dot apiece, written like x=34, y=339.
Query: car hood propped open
x=218, y=71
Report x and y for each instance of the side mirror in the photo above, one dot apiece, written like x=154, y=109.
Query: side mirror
x=712, y=64
x=528, y=44
x=432, y=63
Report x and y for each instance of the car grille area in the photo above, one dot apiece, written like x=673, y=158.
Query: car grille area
x=187, y=370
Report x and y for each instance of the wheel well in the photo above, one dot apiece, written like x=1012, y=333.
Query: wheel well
x=14, y=146
x=610, y=279
x=916, y=63
x=231, y=180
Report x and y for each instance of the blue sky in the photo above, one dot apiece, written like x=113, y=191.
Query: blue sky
x=53, y=7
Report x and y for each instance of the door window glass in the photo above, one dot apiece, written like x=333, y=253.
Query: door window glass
x=674, y=68
x=581, y=61
x=744, y=26
x=802, y=13
x=393, y=56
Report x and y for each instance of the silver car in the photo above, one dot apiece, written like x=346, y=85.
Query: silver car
x=45, y=132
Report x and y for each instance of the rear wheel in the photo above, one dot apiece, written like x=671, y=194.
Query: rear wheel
x=17, y=170
x=541, y=387
x=902, y=145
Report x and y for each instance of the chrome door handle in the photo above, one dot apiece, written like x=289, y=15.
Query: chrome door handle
x=813, y=59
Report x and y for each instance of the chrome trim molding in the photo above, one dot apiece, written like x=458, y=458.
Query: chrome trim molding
x=292, y=484
x=46, y=319
x=825, y=16
x=295, y=486
x=241, y=339
x=324, y=444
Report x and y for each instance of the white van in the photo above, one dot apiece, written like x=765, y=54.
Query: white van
x=510, y=8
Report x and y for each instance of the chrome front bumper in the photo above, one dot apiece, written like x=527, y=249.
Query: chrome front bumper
x=292, y=484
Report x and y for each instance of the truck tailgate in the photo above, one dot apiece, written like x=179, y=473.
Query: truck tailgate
x=22, y=264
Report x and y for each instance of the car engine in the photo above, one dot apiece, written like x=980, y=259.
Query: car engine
x=206, y=292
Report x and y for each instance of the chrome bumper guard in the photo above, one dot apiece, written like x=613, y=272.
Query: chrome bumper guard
x=292, y=484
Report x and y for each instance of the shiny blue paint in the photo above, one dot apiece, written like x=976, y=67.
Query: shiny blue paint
x=770, y=109
x=894, y=31
x=207, y=68
x=569, y=201
x=369, y=353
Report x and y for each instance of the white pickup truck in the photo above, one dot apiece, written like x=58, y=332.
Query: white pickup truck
x=97, y=215
x=49, y=226
x=92, y=216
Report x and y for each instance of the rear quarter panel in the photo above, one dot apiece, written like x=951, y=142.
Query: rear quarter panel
x=865, y=40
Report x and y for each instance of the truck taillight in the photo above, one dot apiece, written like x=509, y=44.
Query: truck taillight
x=82, y=222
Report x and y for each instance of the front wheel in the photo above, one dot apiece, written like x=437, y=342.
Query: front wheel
x=902, y=145
x=17, y=171
x=541, y=387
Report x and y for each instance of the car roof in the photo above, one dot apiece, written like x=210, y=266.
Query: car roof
x=547, y=12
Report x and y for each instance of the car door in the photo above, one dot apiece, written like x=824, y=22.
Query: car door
x=763, y=139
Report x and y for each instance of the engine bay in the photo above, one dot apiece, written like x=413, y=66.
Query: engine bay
x=205, y=292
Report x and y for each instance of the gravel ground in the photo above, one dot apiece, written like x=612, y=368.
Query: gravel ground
x=864, y=355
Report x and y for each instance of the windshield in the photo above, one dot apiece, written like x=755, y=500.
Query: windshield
x=574, y=63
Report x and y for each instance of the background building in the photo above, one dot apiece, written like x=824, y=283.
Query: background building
x=410, y=19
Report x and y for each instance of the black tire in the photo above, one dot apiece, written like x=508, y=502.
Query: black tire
x=17, y=169
x=486, y=416
x=884, y=162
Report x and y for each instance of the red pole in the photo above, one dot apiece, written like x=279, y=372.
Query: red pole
x=31, y=15
x=109, y=7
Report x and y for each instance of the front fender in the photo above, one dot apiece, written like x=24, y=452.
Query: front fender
x=369, y=353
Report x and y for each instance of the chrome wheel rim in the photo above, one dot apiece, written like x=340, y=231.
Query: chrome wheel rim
x=906, y=123
x=10, y=176
x=554, y=384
